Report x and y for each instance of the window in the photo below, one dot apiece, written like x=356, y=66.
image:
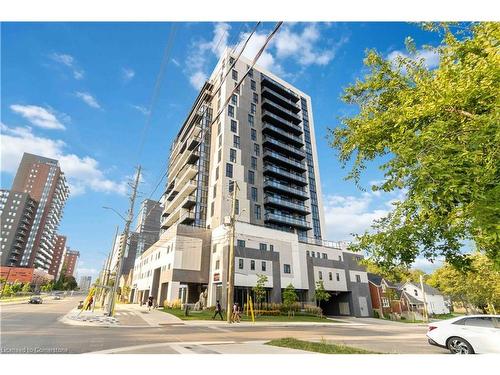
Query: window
x=358, y=278
x=234, y=75
x=320, y=275
x=263, y=246
x=251, y=120
x=231, y=61
x=237, y=206
x=214, y=249
x=253, y=85
x=250, y=73
x=236, y=88
x=251, y=177
x=215, y=191
x=219, y=155
x=330, y=276
x=286, y=268
x=234, y=99
x=240, y=264
x=337, y=276
x=216, y=173
x=255, y=97
x=263, y=266
x=253, y=108
x=383, y=288
x=253, y=134
x=230, y=111
x=234, y=126
x=385, y=302
x=254, y=162
x=254, y=194
x=219, y=127
x=240, y=243
x=256, y=148
x=232, y=155
x=324, y=256
x=313, y=254
x=220, y=140
x=236, y=141
x=258, y=214
x=252, y=265
x=217, y=264
x=231, y=186
x=485, y=322
x=415, y=292
x=229, y=170
x=340, y=258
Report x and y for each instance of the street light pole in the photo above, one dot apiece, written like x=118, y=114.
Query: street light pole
x=123, y=247
x=230, y=283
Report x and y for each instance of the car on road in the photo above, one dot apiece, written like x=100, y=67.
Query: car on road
x=57, y=297
x=468, y=334
x=35, y=299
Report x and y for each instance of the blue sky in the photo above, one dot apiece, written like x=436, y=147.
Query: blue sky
x=81, y=92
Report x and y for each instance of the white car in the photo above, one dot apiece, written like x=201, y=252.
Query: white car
x=467, y=334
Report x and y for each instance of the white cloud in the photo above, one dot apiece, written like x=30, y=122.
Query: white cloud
x=197, y=79
x=88, y=99
x=430, y=58
x=127, y=74
x=70, y=62
x=176, y=63
x=345, y=215
x=82, y=271
x=39, y=116
x=426, y=265
x=83, y=173
x=141, y=109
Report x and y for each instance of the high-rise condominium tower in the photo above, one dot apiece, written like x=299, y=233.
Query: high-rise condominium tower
x=260, y=146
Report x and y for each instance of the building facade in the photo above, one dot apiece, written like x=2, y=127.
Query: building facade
x=70, y=262
x=17, y=213
x=85, y=283
x=45, y=183
x=58, y=256
x=260, y=146
x=148, y=224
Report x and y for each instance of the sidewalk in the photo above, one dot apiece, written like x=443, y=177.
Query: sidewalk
x=153, y=318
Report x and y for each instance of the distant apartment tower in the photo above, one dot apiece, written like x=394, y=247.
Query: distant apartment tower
x=44, y=181
x=148, y=224
x=263, y=147
x=85, y=282
x=58, y=256
x=70, y=262
x=17, y=213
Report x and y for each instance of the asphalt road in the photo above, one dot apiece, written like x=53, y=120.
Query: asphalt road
x=36, y=329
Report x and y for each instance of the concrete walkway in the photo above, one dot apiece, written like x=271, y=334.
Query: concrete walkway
x=153, y=318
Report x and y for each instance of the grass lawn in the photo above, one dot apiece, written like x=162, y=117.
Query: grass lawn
x=446, y=316
x=207, y=315
x=12, y=299
x=318, y=347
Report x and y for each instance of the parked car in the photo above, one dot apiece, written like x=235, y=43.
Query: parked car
x=35, y=299
x=57, y=297
x=467, y=334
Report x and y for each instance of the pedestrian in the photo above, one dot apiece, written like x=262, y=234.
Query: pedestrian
x=89, y=305
x=218, y=310
x=235, y=316
x=150, y=302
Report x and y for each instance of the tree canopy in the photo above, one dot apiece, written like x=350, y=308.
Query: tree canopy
x=437, y=130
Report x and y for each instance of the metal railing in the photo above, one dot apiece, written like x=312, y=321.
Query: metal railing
x=284, y=159
x=282, y=172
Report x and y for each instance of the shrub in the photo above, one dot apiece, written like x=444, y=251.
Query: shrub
x=376, y=314
x=175, y=304
x=313, y=310
x=267, y=312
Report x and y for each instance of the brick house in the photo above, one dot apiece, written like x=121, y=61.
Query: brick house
x=385, y=295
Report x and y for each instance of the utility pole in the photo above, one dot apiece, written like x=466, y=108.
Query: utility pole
x=230, y=280
x=426, y=315
x=123, y=248
x=106, y=272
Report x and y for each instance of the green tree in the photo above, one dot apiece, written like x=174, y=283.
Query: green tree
x=69, y=283
x=289, y=298
x=320, y=294
x=259, y=290
x=16, y=287
x=7, y=290
x=437, y=132
x=26, y=288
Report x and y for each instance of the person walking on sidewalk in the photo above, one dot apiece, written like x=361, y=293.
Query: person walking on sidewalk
x=218, y=310
x=235, y=316
x=91, y=300
x=150, y=302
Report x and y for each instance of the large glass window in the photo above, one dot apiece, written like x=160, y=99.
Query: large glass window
x=254, y=162
x=230, y=111
x=232, y=155
x=253, y=134
x=229, y=170
x=236, y=141
x=235, y=75
x=234, y=126
x=234, y=99
x=253, y=108
x=251, y=177
x=254, y=194
x=251, y=120
x=256, y=149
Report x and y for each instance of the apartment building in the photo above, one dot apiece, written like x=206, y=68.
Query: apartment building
x=85, y=283
x=45, y=183
x=17, y=213
x=261, y=147
x=58, y=256
x=70, y=262
x=148, y=224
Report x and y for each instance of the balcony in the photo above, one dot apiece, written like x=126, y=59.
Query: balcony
x=280, y=99
x=283, y=160
x=281, y=111
x=187, y=218
x=278, y=121
x=282, y=134
x=189, y=202
x=286, y=204
x=279, y=88
x=285, y=189
x=287, y=220
x=295, y=178
x=186, y=190
x=283, y=147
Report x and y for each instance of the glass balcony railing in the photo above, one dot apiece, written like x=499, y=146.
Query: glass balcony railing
x=290, y=162
x=287, y=204
x=295, y=118
x=276, y=85
x=270, y=93
x=297, y=151
x=280, y=121
x=289, y=220
x=275, y=130
x=283, y=173
x=287, y=189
